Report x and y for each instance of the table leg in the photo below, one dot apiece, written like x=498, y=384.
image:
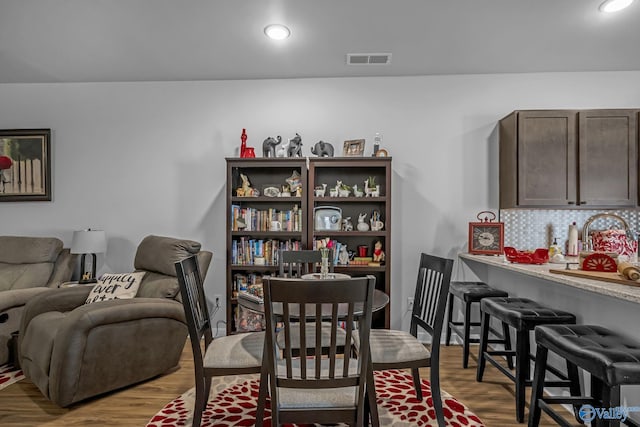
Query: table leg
x=262, y=393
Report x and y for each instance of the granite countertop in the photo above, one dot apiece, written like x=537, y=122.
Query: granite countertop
x=625, y=292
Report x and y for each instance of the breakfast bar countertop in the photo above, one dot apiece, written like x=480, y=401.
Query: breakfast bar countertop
x=624, y=292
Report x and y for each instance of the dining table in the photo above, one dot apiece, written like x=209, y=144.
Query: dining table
x=251, y=302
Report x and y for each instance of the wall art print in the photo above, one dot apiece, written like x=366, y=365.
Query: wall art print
x=25, y=165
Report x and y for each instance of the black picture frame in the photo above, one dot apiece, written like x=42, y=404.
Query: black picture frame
x=25, y=165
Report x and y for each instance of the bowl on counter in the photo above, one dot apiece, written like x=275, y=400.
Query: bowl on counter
x=538, y=256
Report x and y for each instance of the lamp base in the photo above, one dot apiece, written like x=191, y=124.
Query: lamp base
x=88, y=276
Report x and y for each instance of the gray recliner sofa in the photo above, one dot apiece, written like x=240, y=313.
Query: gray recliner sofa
x=28, y=266
x=73, y=351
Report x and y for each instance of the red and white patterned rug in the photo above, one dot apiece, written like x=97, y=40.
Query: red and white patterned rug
x=232, y=402
x=9, y=375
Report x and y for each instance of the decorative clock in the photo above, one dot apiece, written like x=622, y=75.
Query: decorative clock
x=486, y=236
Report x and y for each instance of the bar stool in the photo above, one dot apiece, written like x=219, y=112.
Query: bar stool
x=469, y=293
x=523, y=315
x=611, y=359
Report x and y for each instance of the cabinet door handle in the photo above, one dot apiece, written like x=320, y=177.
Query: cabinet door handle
x=583, y=203
x=571, y=203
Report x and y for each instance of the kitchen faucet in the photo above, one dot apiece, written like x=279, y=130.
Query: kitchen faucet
x=585, y=229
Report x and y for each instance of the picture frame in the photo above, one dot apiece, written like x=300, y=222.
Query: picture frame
x=486, y=237
x=25, y=165
x=353, y=148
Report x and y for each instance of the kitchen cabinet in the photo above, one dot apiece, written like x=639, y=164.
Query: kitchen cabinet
x=253, y=241
x=568, y=159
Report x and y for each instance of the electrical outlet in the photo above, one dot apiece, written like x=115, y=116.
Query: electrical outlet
x=218, y=300
x=410, y=304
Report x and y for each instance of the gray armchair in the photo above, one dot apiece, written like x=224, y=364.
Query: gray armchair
x=72, y=351
x=28, y=266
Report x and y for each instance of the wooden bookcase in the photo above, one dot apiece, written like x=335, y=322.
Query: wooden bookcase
x=269, y=172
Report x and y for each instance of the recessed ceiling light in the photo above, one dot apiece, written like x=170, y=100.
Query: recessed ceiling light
x=277, y=31
x=614, y=5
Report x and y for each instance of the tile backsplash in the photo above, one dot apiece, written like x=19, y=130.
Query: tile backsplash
x=536, y=228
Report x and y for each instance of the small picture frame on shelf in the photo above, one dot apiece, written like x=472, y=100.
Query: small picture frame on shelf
x=271, y=190
x=353, y=148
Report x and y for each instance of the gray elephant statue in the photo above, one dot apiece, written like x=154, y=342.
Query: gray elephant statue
x=295, y=147
x=269, y=146
x=322, y=149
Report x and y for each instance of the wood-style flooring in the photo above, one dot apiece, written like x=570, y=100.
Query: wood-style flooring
x=22, y=404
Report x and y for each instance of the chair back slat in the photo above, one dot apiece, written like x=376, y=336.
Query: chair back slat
x=299, y=263
x=194, y=302
x=334, y=302
x=434, y=276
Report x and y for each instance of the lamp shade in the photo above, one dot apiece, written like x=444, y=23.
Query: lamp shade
x=89, y=242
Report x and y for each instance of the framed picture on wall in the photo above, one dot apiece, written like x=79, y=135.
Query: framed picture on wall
x=353, y=148
x=25, y=165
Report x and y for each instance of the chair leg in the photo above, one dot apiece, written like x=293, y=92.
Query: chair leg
x=207, y=390
x=449, y=319
x=538, y=385
x=522, y=371
x=484, y=337
x=416, y=383
x=201, y=402
x=611, y=399
x=467, y=334
x=436, y=395
x=371, y=398
x=262, y=395
x=507, y=343
x=574, y=388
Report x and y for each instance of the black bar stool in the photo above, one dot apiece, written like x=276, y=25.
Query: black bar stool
x=469, y=293
x=523, y=315
x=611, y=359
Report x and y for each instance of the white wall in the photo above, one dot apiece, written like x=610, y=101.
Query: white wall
x=148, y=158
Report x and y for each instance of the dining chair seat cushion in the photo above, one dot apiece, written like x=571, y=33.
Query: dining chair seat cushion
x=235, y=351
x=393, y=346
x=311, y=336
x=343, y=397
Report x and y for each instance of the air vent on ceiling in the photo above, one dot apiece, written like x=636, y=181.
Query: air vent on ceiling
x=368, y=58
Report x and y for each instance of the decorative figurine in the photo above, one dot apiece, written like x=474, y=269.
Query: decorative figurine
x=347, y=225
x=320, y=190
x=362, y=222
x=376, y=223
x=295, y=147
x=344, y=190
x=370, y=187
x=282, y=150
x=245, y=152
x=322, y=149
x=356, y=192
x=269, y=146
x=246, y=190
x=378, y=253
x=295, y=182
x=343, y=256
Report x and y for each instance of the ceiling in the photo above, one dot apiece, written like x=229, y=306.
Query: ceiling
x=162, y=40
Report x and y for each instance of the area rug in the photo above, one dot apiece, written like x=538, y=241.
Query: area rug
x=233, y=399
x=9, y=375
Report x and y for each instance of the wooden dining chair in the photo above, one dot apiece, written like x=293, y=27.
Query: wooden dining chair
x=318, y=388
x=393, y=349
x=229, y=355
x=299, y=263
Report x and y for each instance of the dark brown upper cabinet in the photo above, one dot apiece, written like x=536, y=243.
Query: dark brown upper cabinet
x=568, y=159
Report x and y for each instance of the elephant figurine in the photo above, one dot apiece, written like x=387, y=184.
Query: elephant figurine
x=269, y=146
x=322, y=149
x=295, y=147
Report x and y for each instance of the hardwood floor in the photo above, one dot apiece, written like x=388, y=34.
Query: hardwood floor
x=22, y=404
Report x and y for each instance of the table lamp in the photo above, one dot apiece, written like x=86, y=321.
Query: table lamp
x=88, y=242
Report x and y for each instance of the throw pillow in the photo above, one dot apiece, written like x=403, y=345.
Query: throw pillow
x=115, y=286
